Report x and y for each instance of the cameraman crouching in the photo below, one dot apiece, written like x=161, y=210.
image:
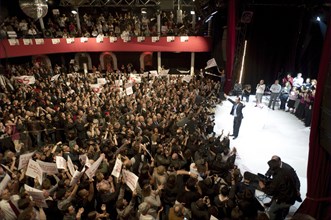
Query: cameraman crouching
x=282, y=189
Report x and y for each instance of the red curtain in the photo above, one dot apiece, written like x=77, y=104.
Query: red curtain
x=231, y=44
x=318, y=199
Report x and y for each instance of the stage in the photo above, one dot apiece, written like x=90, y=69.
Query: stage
x=263, y=133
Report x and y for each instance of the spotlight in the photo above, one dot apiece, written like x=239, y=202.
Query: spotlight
x=74, y=11
x=318, y=18
x=192, y=12
x=143, y=11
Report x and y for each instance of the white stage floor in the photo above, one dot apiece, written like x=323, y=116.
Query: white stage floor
x=264, y=133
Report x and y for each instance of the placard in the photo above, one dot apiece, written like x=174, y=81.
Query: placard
x=35, y=171
x=24, y=160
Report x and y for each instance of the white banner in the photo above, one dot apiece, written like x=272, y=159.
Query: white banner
x=27, y=80
x=90, y=172
x=34, y=171
x=61, y=163
x=37, y=196
x=70, y=166
x=117, y=168
x=24, y=160
x=130, y=179
x=49, y=168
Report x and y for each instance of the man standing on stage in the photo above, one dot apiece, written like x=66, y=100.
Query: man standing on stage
x=236, y=111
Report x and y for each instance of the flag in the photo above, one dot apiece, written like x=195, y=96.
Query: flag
x=211, y=63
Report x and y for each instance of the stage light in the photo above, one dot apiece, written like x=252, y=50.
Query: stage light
x=318, y=18
x=143, y=11
x=74, y=11
x=192, y=12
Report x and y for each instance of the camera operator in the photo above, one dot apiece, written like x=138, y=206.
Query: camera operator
x=282, y=189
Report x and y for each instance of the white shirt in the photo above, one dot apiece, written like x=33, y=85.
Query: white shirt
x=6, y=209
x=260, y=88
x=297, y=81
x=275, y=88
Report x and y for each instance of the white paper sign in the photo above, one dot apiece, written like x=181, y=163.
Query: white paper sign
x=183, y=38
x=4, y=182
x=134, y=78
x=77, y=175
x=117, y=168
x=130, y=179
x=187, y=78
x=24, y=160
x=153, y=73
x=213, y=218
x=55, y=77
x=49, y=168
x=129, y=91
x=112, y=39
x=55, y=41
x=83, y=39
x=61, y=163
x=90, y=172
x=97, y=88
x=70, y=40
x=39, y=41
x=37, y=196
x=13, y=42
x=27, y=80
x=27, y=41
x=35, y=171
x=170, y=39
x=102, y=81
x=118, y=82
x=155, y=39
x=70, y=166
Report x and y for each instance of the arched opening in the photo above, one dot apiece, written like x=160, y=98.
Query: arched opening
x=146, y=61
x=108, y=61
x=81, y=58
x=42, y=60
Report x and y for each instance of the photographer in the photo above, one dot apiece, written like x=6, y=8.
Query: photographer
x=282, y=189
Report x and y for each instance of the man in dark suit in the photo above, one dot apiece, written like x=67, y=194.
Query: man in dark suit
x=236, y=111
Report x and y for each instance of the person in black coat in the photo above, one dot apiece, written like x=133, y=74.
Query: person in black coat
x=236, y=111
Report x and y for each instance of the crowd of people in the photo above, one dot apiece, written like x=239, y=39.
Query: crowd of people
x=98, y=24
x=294, y=95
x=161, y=133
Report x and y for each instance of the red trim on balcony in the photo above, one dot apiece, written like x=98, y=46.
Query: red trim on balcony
x=194, y=44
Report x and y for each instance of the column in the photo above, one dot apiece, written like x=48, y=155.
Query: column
x=158, y=17
x=158, y=61
x=192, y=63
x=78, y=22
x=42, y=26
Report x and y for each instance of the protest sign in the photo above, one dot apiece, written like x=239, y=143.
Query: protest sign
x=49, y=168
x=117, y=168
x=37, y=196
x=61, y=163
x=4, y=182
x=24, y=160
x=130, y=179
x=90, y=172
x=34, y=170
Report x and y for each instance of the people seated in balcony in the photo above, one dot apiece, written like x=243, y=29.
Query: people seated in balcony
x=32, y=31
